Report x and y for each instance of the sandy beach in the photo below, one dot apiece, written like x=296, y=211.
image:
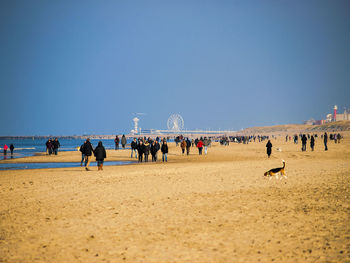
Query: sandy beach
x=213, y=208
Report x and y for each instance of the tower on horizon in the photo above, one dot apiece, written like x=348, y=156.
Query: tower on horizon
x=136, y=121
x=335, y=113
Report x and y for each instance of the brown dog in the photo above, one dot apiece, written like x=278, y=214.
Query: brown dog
x=276, y=171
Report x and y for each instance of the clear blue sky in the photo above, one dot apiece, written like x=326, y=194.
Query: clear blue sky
x=73, y=67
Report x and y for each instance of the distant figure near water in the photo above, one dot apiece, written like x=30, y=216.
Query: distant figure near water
x=5, y=149
x=56, y=144
x=268, y=148
x=123, y=141
x=11, y=149
x=116, y=141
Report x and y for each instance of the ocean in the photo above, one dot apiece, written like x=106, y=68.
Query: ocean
x=28, y=147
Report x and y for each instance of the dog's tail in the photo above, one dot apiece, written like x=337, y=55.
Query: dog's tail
x=284, y=163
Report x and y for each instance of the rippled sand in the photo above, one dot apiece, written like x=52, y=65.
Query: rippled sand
x=214, y=208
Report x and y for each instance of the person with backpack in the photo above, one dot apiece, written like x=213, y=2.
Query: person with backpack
x=88, y=150
x=100, y=154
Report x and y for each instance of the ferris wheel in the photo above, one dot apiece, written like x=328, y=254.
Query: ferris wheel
x=175, y=123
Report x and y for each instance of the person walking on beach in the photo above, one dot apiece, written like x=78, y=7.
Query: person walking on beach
x=188, y=146
x=165, y=151
x=146, y=150
x=11, y=149
x=325, y=139
x=205, y=144
x=88, y=150
x=5, y=149
x=312, y=143
x=200, y=146
x=134, y=148
x=49, y=146
x=100, y=154
x=123, y=141
x=303, y=143
x=82, y=154
x=116, y=142
x=183, y=146
x=140, y=148
x=268, y=148
x=55, y=145
x=154, y=150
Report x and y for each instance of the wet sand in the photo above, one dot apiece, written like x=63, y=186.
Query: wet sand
x=214, y=208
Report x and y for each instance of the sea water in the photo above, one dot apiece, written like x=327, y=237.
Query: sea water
x=28, y=147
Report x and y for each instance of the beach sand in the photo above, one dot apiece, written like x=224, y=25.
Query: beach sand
x=213, y=208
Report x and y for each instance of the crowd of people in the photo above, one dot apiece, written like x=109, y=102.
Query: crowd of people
x=142, y=147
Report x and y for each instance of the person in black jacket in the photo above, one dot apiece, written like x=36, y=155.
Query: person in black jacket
x=100, y=154
x=325, y=139
x=303, y=143
x=134, y=148
x=140, y=148
x=164, y=150
x=88, y=150
x=81, y=149
x=188, y=146
x=11, y=149
x=56, y=144
x=312, y=143
x=146, y=150
x=268, y=148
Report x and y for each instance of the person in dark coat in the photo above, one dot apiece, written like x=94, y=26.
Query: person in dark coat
x=88, y=150
x=49, y=146
x=140, y=148
x=55, y=145
x=81, y=149
x=154, y=149
x=325, y=139
x=303, y=143
x=11, y=149
x=146, y=150
x=133, y=146
x=312, y=143
x=188, y=146
x=116, y=141
x=123, y=141
x=165, y=150
x=100, y=154
x=268, y=148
